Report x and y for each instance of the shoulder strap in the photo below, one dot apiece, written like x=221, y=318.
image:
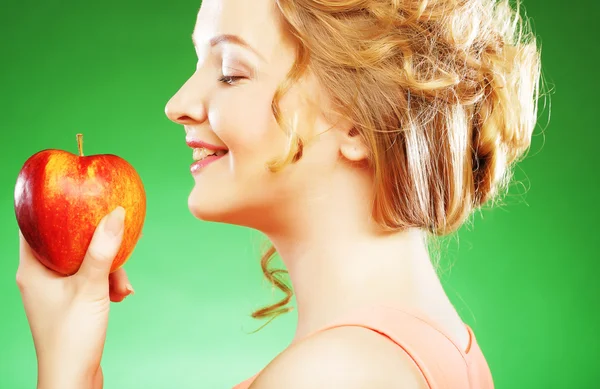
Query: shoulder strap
x=440, y=360
x=443, y=364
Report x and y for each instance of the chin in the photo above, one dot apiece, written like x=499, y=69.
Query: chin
x=212, y=206
x=220, y=208
x=207, y=206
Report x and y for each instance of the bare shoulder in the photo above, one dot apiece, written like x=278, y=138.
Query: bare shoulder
x=342, y=357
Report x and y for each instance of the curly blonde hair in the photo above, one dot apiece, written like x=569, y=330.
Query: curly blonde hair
x=443, y=92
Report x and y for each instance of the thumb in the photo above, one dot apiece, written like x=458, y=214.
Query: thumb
x=103, y=248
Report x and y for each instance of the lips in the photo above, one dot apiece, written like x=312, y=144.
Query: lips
x=197, y=166
x=198, y=144
x=204, y=153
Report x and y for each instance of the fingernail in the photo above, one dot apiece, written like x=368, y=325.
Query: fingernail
x=130, y=289
x=114, y=223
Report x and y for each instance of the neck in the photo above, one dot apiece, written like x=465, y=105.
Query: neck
x=337, y=261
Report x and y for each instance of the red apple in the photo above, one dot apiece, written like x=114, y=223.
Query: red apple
x=61, y=197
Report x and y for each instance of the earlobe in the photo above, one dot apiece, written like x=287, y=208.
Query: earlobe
x=353, y=148
x=351, y=143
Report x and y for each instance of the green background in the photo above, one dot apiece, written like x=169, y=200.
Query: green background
x=524, y=276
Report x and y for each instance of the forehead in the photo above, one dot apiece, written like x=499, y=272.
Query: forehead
x=255, y=21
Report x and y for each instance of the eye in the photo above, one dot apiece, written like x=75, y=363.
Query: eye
x=230, y=80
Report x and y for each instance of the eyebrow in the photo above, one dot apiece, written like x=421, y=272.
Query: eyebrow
x=233, y=39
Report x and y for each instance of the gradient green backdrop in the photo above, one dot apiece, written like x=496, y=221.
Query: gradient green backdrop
x=525, y=277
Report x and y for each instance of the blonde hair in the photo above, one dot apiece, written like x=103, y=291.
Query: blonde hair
x=443, y=92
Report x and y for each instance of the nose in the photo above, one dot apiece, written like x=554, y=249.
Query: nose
x=187, y=106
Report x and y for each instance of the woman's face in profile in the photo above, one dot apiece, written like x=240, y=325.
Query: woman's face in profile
x=243, y=55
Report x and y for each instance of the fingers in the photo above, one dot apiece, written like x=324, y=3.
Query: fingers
x=102, y=250
x=98, y=379
x=119, y=286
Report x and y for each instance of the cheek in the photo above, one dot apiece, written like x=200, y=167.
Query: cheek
x=242, y=118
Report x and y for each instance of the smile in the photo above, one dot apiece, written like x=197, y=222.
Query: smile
x=202, y=153
x=203, y=157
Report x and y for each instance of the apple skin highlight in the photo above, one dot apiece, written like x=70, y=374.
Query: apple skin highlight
x=61, y=197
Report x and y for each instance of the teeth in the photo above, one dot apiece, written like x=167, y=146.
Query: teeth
x=202, y=153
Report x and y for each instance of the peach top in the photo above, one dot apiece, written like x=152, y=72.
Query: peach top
x=442, y=362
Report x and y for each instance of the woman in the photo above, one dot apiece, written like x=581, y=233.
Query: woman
x=348, y=132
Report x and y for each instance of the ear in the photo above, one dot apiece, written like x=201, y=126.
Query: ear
x=349, y=141
x=352, y=146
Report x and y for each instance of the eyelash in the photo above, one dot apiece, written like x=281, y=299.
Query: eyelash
x=230, y=80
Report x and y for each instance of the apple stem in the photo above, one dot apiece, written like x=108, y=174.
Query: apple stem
x=80, y=144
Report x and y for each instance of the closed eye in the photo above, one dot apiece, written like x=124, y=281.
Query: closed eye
x=230, y=80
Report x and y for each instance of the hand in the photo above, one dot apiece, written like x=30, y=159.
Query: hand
x=68, y=316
